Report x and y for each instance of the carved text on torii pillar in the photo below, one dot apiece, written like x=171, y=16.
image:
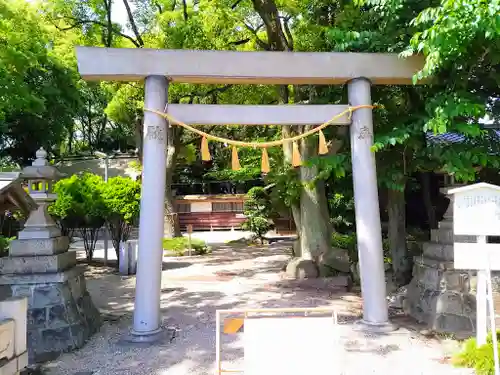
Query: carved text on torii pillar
x=156, y=132
x=364, y=133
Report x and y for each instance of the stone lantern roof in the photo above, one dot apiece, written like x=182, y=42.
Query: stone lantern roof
x=41, y=169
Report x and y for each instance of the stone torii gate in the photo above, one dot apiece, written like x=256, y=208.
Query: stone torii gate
x=160, y=67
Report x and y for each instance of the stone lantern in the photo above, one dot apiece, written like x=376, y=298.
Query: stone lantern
x=61, y=314
x=41, y=177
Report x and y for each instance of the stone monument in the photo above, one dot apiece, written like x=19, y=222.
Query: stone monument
x=440, y=296
x=13, y=336
x=61, y=314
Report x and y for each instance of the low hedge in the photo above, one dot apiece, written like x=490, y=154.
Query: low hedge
x=4, y=245
x=479, y=358
x=348, y=242
x=180, y=245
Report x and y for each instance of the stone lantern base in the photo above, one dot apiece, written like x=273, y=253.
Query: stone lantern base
x=61, y=314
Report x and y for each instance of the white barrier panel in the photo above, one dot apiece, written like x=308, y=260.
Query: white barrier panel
x=123, y=259
x=291, y=346
x=476, y=256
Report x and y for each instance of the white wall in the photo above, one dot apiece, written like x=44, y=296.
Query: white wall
x=117, y=167
x=201, y=206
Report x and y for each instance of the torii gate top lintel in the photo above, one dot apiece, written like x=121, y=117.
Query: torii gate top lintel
x=251, y=67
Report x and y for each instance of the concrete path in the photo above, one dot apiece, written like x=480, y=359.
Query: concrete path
x=213, y=238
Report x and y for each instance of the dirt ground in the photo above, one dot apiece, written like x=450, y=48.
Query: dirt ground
x=242, y=277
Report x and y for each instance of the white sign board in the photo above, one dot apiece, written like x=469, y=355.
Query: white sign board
x=476, y=210
x=476, y=256
x=271, y=346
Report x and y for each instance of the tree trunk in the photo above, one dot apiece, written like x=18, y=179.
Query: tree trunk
x=295, y=208
x=138, y=133
x=311, y=214
x=133, y=24
x=315, y=230
x=171, y=228
x=71, y=132
x=425, y=181
x=287, y=132
x=401, y=262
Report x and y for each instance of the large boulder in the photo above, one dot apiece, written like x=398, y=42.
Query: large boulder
x=336, y=259
x=300, y=269
x=396, y=299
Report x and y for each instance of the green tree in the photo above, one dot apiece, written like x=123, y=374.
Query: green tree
x=79, y=207
x=258, y=212
x=162, y=24
x=455, y=100
x=121, y=197
x=39, y=95
x=451, y=34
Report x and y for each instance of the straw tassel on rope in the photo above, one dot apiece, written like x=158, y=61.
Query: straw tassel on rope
x=296, y=159
x=205, y=152
x=323, y=147
x=174, y=121
x=265, y=168
x=235, y=161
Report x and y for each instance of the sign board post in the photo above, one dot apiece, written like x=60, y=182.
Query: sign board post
x=476, y=212
x=190, y=231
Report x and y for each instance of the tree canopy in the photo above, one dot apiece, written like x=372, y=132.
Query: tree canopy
x=44, y=102
x=39, y=95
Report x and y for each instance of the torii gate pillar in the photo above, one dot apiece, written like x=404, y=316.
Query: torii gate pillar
x=147, y=326
x=368, y=228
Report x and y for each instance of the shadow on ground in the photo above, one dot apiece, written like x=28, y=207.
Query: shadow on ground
x=191, y=294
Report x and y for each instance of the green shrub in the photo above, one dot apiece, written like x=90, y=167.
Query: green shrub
x=348, y=242
x=122, y=201
x=79, y=205
x=180, y=245
x=478, y=358
x=341, y=208
x=11, y=222
x=4, y=245
x=258, y=212
x=85, y=202
x=241, y=175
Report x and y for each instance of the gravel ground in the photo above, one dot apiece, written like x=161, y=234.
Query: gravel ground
x=195, y=287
